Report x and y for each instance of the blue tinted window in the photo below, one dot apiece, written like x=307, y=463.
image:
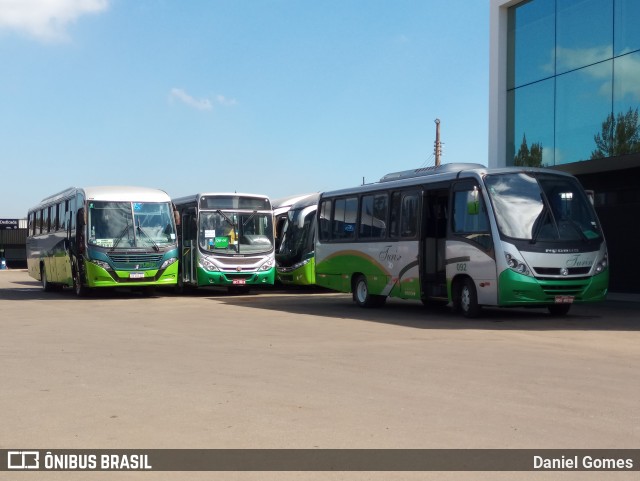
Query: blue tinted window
x=531, y=42
x=573, y=69
x=584, y=33
x=583, y=102
x=626, y=86
x=627, y=33
x=533, y=122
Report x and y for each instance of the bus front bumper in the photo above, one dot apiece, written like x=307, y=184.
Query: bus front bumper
x=219, y=278
x=99, y=277
x=519, y=290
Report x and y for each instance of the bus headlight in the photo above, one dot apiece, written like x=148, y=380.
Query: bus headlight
x=300, y=264
x=103, y=264
x=168, y=262
x=267, y=265
x=517, y=265
x=207, y=265
x=602, y=265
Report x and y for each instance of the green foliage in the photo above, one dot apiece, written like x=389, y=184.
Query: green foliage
x=620, y=135
x=528, y=157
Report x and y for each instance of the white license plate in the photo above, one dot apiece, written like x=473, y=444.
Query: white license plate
x=564, y=299
x=136, y=275
x=239, y=281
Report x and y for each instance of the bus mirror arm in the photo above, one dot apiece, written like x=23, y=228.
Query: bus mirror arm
x=176, y=215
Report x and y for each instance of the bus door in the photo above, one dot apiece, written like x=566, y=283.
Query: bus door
x=470, y=251
x=433, y=266
x=189, y=246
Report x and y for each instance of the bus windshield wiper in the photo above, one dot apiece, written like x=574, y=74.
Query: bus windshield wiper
x=540, y=223
x=249, y=218
x=229, y=221
x=144, y=233
x=233, y=226
x=121, y=236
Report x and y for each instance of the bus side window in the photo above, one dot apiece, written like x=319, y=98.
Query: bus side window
x=344, y=218
x=46, y=220
x=56, y=217
x=325, y=221
x=470, y=216
x=404, y=214
x=409, y=225
x=373, y=216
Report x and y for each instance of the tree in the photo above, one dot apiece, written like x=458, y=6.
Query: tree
x=528, y=157
x=619, y=136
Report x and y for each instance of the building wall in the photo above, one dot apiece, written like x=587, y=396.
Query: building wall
x=13, y=247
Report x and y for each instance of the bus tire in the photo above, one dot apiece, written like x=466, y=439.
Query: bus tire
x=558, y=310
x=466, y=298
x=78, y=285
x=361, y=294
x=46, y=285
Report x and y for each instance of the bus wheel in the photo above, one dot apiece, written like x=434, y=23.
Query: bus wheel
x=467, y=299
x=361, y=294
x=78, y=287
x=46, y=285
x=558, y=310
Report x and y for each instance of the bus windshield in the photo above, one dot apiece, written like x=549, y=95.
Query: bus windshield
x=297, y=240
x=542, y=207
x=130, y=224
x=232, y=232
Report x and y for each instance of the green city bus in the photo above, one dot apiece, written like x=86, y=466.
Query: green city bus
x=103, y=237
x=226, y=240
x=295, y=256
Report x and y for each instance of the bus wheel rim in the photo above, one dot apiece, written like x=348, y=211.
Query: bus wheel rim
x=465, y=298
x=362, y=291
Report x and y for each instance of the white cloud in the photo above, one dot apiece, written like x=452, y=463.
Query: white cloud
x=222, y=100
x=46, y=19
x=199, y=104
x=184, y=97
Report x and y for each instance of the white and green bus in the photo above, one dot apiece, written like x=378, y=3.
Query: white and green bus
x=101, y=237
x=461, y=233
x=281, y=209
x=226, y=240
x=295, y=256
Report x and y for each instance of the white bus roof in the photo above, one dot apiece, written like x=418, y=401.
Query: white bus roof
x=126, y=193
x=115, y=193
x=194, y=197
x=429, y=175
x=284, y=204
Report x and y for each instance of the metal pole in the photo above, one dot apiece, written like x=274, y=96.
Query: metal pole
x=437, y=148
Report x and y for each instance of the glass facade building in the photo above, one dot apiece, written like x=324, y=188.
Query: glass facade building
x=565, y=94
x=573, y=72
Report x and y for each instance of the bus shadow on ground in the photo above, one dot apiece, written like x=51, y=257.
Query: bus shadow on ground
x=32, y=290
x=587, y=317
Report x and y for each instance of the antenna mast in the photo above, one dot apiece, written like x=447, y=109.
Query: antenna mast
x=437, y=145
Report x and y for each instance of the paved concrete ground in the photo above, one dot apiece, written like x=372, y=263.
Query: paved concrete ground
x=309, y=370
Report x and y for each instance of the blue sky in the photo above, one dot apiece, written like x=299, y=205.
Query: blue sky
x=276, y=97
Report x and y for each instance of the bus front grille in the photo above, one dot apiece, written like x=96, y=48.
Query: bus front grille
x=135, y=261
x=554, y=271
x=553, y=289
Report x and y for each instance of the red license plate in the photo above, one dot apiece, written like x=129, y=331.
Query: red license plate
x=239, y=281
x=564, y=299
